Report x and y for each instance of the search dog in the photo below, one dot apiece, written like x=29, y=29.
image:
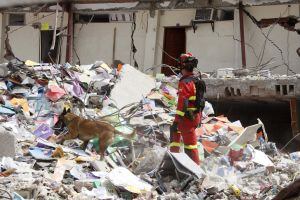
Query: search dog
x=86, y=129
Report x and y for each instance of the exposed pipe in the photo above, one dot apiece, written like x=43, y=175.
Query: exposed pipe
x=242, y=35
x=114, y=45
x=55, y=28
x=70, y=34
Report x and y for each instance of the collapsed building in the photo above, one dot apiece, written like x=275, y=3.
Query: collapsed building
x=248, y=58
x=236, y=160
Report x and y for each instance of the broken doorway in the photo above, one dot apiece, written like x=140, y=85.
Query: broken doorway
x=46, y=42
x=174, y=45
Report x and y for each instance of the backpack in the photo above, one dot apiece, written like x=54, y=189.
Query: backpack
x=200, y=91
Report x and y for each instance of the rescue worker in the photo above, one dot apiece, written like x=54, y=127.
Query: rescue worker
x=188, y=114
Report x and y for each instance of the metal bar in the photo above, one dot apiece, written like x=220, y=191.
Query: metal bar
x=58, y=56
x=40, y=9
x=70, y=35
x=242, y=35
x=55, y=28
x=114, y=45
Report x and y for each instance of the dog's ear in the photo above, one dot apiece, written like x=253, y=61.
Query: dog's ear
x=66, y=111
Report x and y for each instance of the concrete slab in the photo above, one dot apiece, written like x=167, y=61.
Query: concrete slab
x=132, y=86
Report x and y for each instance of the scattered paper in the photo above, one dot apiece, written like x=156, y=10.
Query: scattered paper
x=54, y=93
x=248, y=135
x=20, y=102
x=261, y=158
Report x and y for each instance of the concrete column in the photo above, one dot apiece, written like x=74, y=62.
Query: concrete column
x=151, y=41
x=242, y=35
x=70, y=37
x=238, y=55
x=3, y=21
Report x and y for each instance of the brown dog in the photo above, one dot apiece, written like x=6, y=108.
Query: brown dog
x=85, y=130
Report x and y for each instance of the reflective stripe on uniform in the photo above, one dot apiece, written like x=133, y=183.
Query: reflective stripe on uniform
x=180, y=113
x=192, y=98
x=174, y=144
x=178, y=132
x=191, y=146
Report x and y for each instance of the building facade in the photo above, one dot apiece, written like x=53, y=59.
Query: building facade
x=112, y=34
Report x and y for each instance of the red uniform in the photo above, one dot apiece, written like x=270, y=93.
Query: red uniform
x=186, y=125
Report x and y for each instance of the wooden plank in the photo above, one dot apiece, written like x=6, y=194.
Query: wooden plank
x=294, y=116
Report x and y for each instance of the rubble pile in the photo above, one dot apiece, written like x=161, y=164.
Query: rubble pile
x=236, y=162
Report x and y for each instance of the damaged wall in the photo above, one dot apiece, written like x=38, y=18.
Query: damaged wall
x=287, y=41
x=219, y=49
x=214, y=49
x=94, y=41
x=26, y=41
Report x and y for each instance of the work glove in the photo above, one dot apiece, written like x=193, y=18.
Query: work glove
x=190, y=115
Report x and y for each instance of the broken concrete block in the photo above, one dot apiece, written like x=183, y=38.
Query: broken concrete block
x=87, y=183
x=132, y=86
x=3, y=70
x=150, y=160
x=7, y=143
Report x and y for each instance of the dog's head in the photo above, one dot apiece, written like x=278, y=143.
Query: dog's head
x=60, y=124
x=69, y=117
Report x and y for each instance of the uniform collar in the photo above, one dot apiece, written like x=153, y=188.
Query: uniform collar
x=189, y=74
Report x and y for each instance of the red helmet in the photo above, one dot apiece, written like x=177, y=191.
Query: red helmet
x=183, y=57
x=187, y=60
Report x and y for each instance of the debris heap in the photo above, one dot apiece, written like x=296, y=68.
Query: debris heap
x=236, y=162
